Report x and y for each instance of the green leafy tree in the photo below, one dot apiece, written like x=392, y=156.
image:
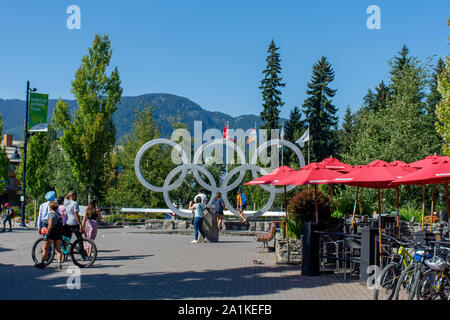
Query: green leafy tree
x=271, y=92
x=443, y=109
x=89, y=137
x=36, y=180
x=320, y=113
x=156, y=163
x=4, y=163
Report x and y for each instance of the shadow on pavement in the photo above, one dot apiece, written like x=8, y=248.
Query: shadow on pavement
x=210, y=284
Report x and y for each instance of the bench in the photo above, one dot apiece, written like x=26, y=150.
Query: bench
x=265, y=237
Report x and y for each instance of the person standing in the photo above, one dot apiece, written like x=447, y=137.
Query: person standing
x=89, y=223
x=241, y=204
x=198, y=208
x=220, y=207
x=54, y=234
x=73, y=223
x=62, y=210
x=8, y=217
x=44, y=210
x=202, y=196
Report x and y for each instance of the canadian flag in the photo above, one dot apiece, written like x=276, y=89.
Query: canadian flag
x=226, y=135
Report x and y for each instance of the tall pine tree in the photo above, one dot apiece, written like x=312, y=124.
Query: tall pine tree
x=293, y=128
x=320, y=113
x=271, y=92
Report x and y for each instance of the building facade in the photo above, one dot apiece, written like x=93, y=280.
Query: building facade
x=12, y=188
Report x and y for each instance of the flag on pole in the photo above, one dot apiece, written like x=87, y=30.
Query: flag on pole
x=303, y=139
x=226, y=135
x=252, y=137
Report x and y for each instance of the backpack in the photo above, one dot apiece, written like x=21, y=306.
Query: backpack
x=243, y=199
x=12, y=213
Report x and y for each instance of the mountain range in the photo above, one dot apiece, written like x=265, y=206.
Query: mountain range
x=165, y=107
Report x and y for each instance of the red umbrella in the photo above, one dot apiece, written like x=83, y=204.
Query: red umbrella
x=427, y=161
x=335, y=164
x=276, y=174
x=435, y=173
x=313, y=174
x=406, y=167
x=377, y=175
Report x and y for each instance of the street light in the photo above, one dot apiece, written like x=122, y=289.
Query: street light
x=26, y=136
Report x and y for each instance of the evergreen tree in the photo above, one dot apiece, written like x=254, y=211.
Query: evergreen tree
x=434, y=98
x=347, y=131
x=271, y=93
x=293, y=128
x=381, y=97
x=320, y=112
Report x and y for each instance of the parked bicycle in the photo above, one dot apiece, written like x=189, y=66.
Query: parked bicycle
x=77, y=250
x=432, y=280
x=405, y=285
x=387, y=280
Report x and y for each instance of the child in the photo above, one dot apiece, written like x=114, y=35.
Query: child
x=54, y=234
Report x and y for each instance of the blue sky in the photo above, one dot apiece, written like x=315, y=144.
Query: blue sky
x=213, y=52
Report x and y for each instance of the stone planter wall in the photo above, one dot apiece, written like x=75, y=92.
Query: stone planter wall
x=295, y=250
x=166, y=224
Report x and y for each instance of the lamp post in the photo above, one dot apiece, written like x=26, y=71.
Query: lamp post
x=26, y=135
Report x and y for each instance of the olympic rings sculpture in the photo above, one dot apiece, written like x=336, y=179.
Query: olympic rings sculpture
x=212, y=187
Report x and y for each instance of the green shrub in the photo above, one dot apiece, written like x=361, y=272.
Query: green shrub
x=301, y=208
x=408, y=212
x=127, y=218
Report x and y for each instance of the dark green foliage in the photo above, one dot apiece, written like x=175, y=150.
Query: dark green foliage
x=301, y=207
x=270, y=87
x=320, y=113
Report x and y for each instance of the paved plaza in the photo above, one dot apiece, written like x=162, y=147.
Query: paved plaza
x=132, y=264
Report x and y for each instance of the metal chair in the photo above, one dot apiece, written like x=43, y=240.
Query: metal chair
x=352, y=254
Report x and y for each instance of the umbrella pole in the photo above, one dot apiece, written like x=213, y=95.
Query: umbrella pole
x=379, y=228
x=448, y=204
x=316, y=203
x=423, y=207
x=432, y=208
x=398, y=213
x=354, y=209
x=287, y=231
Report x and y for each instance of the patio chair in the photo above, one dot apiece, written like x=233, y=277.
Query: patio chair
x=265, y=237
x=352, y=255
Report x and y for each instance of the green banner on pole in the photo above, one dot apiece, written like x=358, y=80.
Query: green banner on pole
x=37, y=116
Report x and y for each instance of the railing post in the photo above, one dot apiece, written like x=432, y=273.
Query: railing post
x=311, y=247
x=369, y=251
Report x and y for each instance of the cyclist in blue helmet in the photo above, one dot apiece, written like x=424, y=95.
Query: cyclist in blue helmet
x=44, y=210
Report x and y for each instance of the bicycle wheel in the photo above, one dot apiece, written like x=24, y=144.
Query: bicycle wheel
x=426, y=286
x=80, y=257
x=405, y=283
x=36, y=252
x=386, y=282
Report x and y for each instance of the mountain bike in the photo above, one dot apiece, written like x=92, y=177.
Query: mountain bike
x=77, y=250
x=386, y=282
x=433, y=281
x=405, y=284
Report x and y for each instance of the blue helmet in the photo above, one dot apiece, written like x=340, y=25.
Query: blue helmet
x=50, y=196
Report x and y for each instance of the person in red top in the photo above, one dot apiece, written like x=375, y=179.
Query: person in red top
x=9, y=216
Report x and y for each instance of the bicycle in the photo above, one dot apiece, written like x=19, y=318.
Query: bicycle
x=386, y=282
x=79, y=257
x=433, y=281
x=405, y=285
